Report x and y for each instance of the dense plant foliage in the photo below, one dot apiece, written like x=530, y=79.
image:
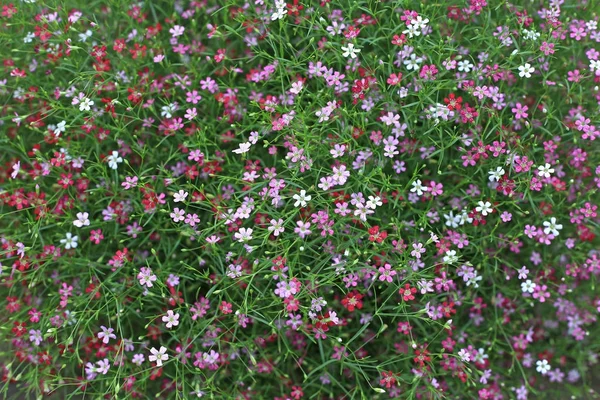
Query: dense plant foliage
x=304, y=200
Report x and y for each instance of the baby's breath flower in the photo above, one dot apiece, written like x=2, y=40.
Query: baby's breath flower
x=526, y=70
x=350, y=51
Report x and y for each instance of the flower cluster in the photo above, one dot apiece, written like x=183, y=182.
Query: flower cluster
x=297, y=200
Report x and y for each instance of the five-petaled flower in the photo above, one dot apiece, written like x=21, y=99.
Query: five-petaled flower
x=158, y=355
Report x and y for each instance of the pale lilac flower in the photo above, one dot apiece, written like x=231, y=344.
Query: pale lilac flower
x=106, y=334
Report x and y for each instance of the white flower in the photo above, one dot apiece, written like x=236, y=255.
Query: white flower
x=484, y=208
x=244, y=147
x=86, y=104
x=70, y=241
x=114, y=160
x=350, y=51
x=158, y=355
x=412, y=31
x=29, y=37
x=413, y=62
x=84, y=36
x=420, y=22
x=528, y=286
x=374, y=202
x=531, y=34
x=180, y=196
x=465, y=66
x=497, y=174
x=542, y=366
x=243, y=235
x=552, y=227
x=279, y=14
x=60, y=128
x=418, y=187
x=526, y=70
x=82, y=220
x=301, y=199
x=450, y=257
x=171, y=319
x=545, y=170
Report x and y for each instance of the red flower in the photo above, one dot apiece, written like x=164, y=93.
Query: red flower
x=421, y=357
x=388, y=379
x=376, y=236
x=448, y=309
x=407, y=292
x=352, y=301
x=454, y=103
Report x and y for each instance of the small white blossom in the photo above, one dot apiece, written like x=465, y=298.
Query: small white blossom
x=497, y=174
x=158, y=355
x=60, y=128
x=465, y=66
x=542, y=366
x=464, y=355
x=350, y=51
x=418, y=187
x=545, y=170
x=526, y=70
x=412, y=62
x=301, y=199
x=114, y=160
x=180, y=196
x=484, y=208
x=86, y=104
x=450, y=257
x=374, y=202
x=244, y=147
x=551, y=227
x=528, y=286
x=70, y=241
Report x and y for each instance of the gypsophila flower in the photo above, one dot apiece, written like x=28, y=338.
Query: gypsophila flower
x=114, y=160
x=551, y=227
x=302, y=199
x=350, y=51
x=528, y=286
x=418, y=188
x=82, y=220
x=243, y=148
x=526, y=70
x=146, y=277
x=542, y=366
x=106, y=334
x=276, y=227
x=177, y=215
x=484, y=208
x=545, y=170
x=158, y=355
x=496, y=174
x=70, y=241
x=171, y=319
x=86, y=104
x=244, y=235
x=180, y=196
